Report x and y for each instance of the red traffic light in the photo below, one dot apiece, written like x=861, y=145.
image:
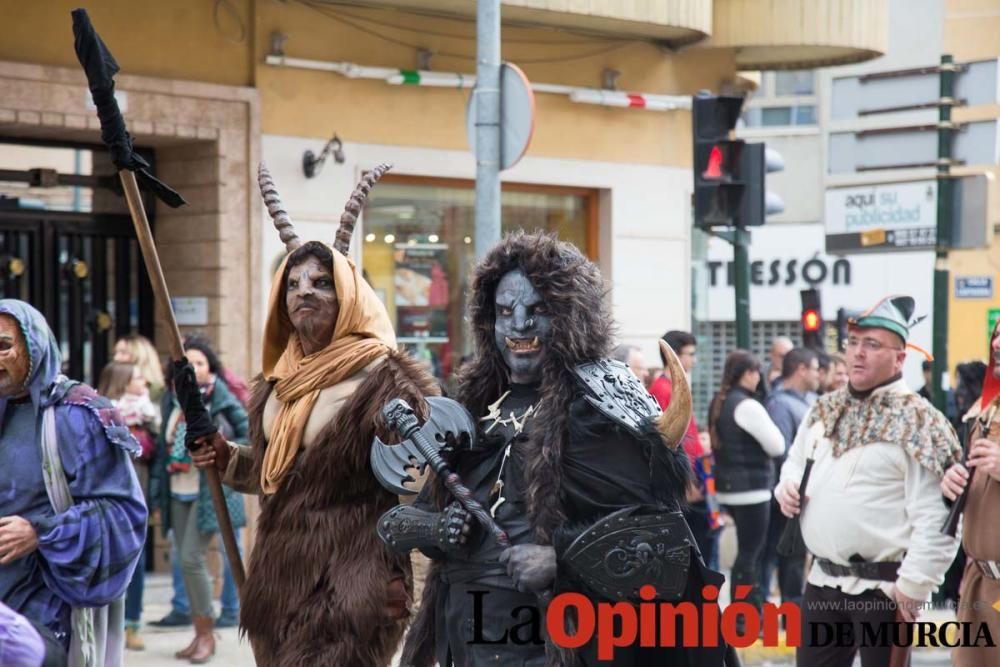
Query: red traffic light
x=714, y=169
x=810, y=320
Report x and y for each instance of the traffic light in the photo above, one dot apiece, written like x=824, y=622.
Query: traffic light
x=758, y=203
x=718, y=186
x=812, y=320
x=729, y=174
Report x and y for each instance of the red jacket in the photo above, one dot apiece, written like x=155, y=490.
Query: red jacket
x=661, y=389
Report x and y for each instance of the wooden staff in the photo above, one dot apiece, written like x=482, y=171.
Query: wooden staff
x=152, y=262
x=100, y=67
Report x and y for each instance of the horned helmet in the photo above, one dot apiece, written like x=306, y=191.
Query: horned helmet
x=283, y=223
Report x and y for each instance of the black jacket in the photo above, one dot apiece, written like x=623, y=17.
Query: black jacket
x=741, y=464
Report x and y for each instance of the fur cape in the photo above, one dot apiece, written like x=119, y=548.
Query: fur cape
x=582, y=330
x=316, y=588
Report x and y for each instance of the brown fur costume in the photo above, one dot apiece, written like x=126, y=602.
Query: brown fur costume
x=316, y=583
x=582, y=328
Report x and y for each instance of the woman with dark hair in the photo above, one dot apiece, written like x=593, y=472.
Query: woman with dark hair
x=184, y=499
x=744, y=440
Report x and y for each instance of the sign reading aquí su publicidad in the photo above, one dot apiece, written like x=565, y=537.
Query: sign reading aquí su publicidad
x=882, y=216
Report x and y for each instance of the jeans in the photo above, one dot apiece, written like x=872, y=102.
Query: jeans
x=229, y=598
x=133, y=594
x=192, y=546
x=179, y=603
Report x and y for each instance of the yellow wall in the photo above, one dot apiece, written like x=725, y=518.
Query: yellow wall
x=971, y=29
x=179, y=39
x=202, y=40
x=968, y=338
x=970, y=33
x=315, y=104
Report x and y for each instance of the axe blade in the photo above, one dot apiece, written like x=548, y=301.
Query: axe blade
x=390, y=462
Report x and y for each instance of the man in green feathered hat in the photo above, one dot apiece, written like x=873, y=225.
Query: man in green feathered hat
x=872, y=511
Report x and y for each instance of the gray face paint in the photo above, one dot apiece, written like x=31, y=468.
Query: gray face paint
x=523, y=325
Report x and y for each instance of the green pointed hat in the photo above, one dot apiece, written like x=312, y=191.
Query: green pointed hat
x=893, y=313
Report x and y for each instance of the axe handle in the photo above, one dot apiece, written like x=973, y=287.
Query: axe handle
x=152, y=261
x=454, y=483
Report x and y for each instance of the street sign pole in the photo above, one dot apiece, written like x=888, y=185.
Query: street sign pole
x=487, y=92
x=944, y=224
x=739, y=238
x=741, y=283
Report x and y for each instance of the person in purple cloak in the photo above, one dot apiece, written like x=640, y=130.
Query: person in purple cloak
x=72, y=514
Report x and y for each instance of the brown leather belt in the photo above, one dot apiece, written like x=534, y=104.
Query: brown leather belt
x=875, y=570
x=989, y=568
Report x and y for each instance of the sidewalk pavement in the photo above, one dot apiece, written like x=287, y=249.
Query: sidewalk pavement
x=161, y=643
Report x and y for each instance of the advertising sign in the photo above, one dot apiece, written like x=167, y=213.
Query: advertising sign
x=882, y=217
x=421, y=292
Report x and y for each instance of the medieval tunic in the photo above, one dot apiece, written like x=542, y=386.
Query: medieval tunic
x=874, y=492
x=86, y=555
x=981, y=540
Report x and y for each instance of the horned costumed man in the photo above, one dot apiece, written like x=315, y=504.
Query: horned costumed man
x=321, y=588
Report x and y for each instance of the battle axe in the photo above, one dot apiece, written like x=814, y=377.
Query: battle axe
x=401, y=419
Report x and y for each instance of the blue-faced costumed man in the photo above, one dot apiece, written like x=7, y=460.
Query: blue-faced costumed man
x=72, y=515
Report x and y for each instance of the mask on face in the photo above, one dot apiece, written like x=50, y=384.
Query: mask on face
x=14, y=359
x=311, y=300
x=522, y=328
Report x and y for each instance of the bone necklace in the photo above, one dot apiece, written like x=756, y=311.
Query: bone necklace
x=518, y=422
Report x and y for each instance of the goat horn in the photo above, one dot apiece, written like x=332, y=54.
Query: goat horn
x=354, y=205
x=673, y=422
x=276, y=209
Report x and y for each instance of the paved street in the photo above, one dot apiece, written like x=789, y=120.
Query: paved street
x=162, y=643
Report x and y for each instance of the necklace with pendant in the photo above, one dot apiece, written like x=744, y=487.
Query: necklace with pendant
x=518, y=423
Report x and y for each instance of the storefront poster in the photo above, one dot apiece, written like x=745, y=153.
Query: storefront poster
x=421, y=292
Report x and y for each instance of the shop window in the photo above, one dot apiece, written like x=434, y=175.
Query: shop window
x=418, y=252
x=799, y=82
x=781, y=116
x=776, y=116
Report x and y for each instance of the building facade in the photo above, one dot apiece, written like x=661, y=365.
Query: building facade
x=209, y=88
x=794, y=113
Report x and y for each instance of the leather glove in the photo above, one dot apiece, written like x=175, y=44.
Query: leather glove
x=199, y=423
x=405, y=527
x=456, y=523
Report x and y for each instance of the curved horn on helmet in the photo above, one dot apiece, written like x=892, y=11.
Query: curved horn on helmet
x=276, y=209
x=354, y=205
x=673, y=422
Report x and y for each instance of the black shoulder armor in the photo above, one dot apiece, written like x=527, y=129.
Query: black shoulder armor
x=617, y=393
